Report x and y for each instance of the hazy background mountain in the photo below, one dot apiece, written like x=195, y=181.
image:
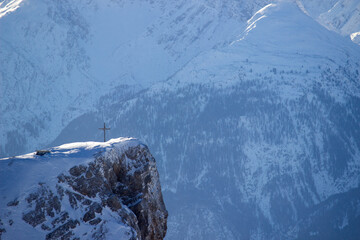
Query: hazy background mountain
x=59, y=57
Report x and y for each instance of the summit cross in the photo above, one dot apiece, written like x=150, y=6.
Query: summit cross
x=104, y=129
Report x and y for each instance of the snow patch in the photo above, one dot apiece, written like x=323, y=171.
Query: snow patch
x=7, y=6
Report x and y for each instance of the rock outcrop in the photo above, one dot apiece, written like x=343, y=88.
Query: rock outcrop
x=115, y=193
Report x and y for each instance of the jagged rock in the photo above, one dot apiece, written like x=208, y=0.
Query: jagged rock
x=42, y=152
x=60, y=220
x=45, y=227
x=89, y=216
x=141, y=191
x=63, y=231
x=95, y=221
x=119, y=185
x=77, y=170
x=114, y=203
x=13, y=203
x=46, y=204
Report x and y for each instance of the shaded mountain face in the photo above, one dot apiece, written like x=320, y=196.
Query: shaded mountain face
x=255, y=128
x=83, y=190
x=256, y=138
x=59, y=58
x=340, y=210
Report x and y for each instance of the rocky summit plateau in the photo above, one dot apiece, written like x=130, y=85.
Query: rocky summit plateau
x=84, y=190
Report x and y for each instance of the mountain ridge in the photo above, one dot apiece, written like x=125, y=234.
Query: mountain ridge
x=64, y=73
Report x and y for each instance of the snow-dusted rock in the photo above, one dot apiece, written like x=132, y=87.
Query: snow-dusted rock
x=83, y=190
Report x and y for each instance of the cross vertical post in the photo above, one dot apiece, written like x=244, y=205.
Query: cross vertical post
x=104, y=129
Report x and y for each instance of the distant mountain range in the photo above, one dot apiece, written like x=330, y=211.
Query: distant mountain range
x=58, y=58
x=251, y=108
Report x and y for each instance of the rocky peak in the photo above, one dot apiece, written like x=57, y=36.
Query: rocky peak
x=112, y=190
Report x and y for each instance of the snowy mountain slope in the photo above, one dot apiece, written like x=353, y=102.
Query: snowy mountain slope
x=316, y=7
x=340, y=210
x=59, y=57
x=340, y=16
x=344, y=17
x=254, y=135
x=62, y=56
x=8, y=6
x=83, y=190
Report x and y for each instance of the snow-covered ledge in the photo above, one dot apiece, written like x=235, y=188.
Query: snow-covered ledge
x=86, y=190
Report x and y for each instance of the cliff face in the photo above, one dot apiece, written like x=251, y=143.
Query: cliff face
x=110, y=191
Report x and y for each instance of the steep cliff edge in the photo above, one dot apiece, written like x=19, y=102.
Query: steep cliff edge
x=84, y=190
